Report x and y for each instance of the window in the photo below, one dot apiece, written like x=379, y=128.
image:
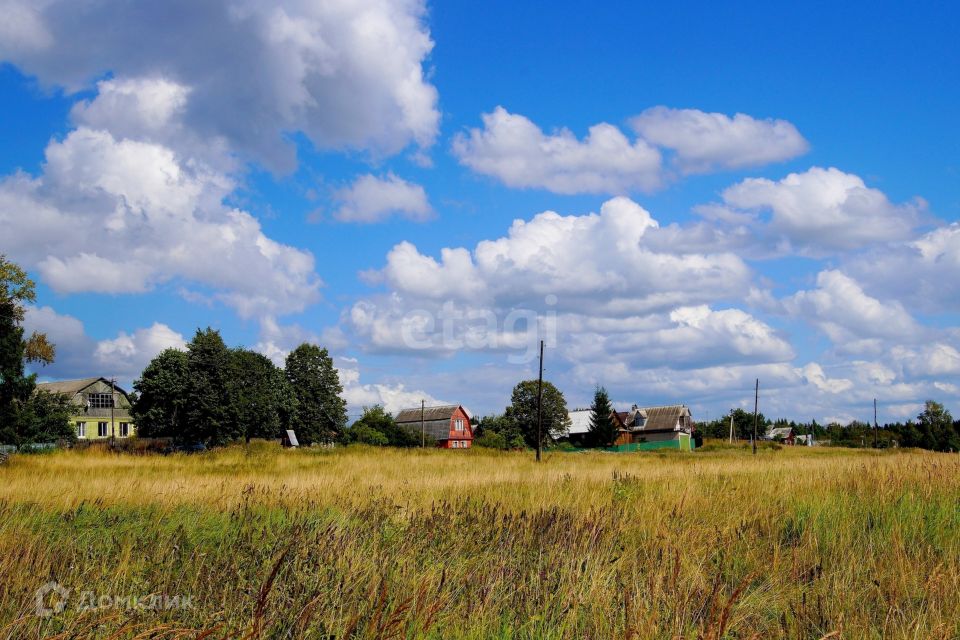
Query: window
x=458, y=424
x=100, y=400
x=456, y=444
x=124, y=429
x=102, y=429
x=466, y=444
x=81, y=429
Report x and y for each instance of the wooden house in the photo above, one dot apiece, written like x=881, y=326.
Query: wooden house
x=448, y=425
x=101, y=408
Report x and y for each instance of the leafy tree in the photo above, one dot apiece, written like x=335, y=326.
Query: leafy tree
x=743, y=424
x=522, y=412
x=377, y=419
x=260, y=397
x=159, y=410
x=491, y=440
x=936, y=428
x=45, y=417
x=209, y=418
x=320, y=414
x=603, y=430
x=22, y=417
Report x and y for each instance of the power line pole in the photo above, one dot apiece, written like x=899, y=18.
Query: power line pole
x=756, y=403
x=731, y=427
x=875, y=425
x=423, y=432
x=539, y=403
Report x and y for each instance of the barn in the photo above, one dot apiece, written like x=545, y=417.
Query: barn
x=447, y=425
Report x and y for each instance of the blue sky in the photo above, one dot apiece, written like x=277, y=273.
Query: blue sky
x=757, y=191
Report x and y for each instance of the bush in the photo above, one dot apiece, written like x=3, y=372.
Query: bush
x=491, y=440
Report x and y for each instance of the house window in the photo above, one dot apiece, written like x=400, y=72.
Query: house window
x=81, y=429
x=124, y=429
x=102, y=429
x=100, y=400
x=456, y=444
x=458, y=425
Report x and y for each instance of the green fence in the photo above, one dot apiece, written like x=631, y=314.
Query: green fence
x=683, y=443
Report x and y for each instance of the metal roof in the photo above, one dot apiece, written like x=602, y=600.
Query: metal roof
x=72, y=387
x=442, y=412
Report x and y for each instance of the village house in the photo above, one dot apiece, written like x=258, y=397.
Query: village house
x=782, y=434
x=447, y=425
x=641, y=428
x=101, y=409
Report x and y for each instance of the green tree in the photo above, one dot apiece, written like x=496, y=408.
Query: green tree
x=603, y=430
x=209, y=416
x=522, y=412
x=160, y=407
x=45, y=417
x=320, y=414
x=22, y=418
x=936, y=428
x=259, y=395
x=743, y=424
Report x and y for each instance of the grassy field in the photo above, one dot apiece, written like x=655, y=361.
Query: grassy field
x=368, y=543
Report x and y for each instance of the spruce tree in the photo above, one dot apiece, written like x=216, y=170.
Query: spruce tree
x=603, y=430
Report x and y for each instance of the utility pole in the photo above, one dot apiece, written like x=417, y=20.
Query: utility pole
x=875, y=425
x=731, y=427
x=539, y=403
x=756, y=403
x=423, y=432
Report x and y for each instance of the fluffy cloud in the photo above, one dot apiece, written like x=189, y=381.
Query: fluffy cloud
x=516, y=151
x=74, y=347
x=607, y=261
x=80, y=356
x=393, y=397
x=686, y=337
x=345, y=73
x=848, y=316
x=924, y=273
x=372, y=199
x=121, y=216
x=929, y=360
x=704, y=142
x=128, y=353
x=825, y=210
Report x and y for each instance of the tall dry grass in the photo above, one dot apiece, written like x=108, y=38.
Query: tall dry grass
x=370, y=543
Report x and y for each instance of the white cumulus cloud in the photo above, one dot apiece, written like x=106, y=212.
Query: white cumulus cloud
x=121, y=216
x=373, y=199
x=516, y=151
x=823, y=210
x=346, y=73
x=704, y=142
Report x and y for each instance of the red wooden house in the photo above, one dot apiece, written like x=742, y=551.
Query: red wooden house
x=448, y=426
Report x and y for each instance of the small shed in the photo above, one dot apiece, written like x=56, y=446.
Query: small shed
x=290, y=439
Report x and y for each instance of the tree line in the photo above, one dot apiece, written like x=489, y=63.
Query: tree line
x=934, y=428
x=212, y=394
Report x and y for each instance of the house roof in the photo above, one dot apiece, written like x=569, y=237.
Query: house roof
x=72, y=387
x=657, y=418
x=783, y=432
x=442, y=412
x=579, y=421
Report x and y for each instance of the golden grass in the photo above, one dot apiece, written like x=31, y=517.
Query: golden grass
x=371, y=543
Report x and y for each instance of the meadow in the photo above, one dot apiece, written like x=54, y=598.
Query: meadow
x=377, y=543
